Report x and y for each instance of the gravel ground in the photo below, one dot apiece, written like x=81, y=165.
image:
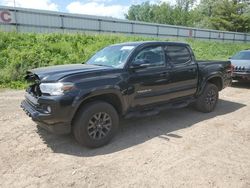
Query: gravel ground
x=178, y=148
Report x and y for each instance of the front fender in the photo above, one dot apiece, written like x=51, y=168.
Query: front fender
x=84, y=95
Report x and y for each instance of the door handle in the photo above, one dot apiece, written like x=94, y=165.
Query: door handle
x=164, y=74
x=192, y=70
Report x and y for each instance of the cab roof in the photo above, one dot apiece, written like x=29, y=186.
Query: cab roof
x=139, y=43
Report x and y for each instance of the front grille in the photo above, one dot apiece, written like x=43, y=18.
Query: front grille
x=239, y=69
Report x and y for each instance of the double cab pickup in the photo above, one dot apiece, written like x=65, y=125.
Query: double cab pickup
x=125, y=80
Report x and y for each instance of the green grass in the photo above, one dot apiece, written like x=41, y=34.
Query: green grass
x=20, y=52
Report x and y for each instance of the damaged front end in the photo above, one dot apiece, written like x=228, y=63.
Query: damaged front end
x=34, y=81
x=49, y=112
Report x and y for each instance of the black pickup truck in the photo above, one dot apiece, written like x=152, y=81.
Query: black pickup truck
x=121, y=81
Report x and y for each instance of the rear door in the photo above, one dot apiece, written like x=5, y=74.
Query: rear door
x=183, y=71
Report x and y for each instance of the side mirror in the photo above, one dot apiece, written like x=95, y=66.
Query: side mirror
x=140, y=64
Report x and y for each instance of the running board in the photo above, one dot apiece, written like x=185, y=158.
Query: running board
x=144, y=113
x=156, y=110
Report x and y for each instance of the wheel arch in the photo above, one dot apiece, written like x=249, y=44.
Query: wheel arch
x=111, y=98
x=215, y=79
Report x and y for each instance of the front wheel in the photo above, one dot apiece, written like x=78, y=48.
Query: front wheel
x=207, y=101
x=95, y=124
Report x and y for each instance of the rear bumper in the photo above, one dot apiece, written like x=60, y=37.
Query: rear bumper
x=241, y=75
x=58, y=121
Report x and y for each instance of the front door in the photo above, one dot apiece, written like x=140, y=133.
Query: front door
x=149, y=84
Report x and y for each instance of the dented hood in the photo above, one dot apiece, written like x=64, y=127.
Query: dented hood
x=55, y=73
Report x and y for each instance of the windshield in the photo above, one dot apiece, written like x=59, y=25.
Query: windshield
x=112, y=56
x=244, y=55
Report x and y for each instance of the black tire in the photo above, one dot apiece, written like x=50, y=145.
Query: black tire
x=207, y=101
x=89, y=131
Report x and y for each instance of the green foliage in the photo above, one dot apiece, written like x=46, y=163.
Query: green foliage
x=20, y=52
x=205, y=50
x=230, y=15
x=163, y=13
x=14, y=85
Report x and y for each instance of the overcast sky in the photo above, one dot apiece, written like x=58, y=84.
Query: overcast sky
x=114, y=8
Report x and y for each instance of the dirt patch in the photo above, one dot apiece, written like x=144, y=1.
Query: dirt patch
x=174, y=149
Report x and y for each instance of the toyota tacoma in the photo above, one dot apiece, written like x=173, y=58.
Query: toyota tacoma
x=125, y=80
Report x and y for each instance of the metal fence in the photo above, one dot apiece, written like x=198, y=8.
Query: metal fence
x=29, y=20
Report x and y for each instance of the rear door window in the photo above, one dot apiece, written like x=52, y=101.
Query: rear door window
x=178, y=55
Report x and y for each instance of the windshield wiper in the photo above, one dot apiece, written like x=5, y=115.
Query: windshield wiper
x=102, y=65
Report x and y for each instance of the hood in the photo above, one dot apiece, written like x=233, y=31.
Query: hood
x=241, y=63
x=55, y=73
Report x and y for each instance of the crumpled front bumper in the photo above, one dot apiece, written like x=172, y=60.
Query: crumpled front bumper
x=35, y=115
x=54, y=122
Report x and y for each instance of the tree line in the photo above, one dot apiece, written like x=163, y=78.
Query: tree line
x=228, y=15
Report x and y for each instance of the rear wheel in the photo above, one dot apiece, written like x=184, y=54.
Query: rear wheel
x=95, y=124
x=207, y=101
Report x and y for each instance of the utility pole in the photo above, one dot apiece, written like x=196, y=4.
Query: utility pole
x=14, y=1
